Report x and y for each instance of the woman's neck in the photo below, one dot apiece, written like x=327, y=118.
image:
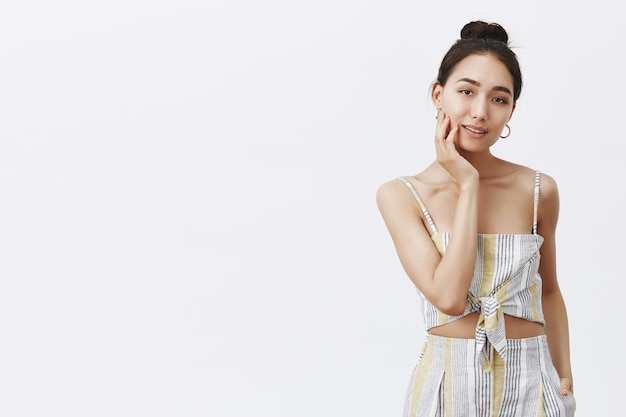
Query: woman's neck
x=485, y=163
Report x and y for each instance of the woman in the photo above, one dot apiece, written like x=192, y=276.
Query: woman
x=469, y=231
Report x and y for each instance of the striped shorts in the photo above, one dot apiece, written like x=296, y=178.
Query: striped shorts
x=449, y=381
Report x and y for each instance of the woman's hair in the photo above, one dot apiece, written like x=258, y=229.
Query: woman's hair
x=481, y=38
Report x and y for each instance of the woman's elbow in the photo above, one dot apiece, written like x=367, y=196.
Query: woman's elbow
x=453, y=311
x=453, y=306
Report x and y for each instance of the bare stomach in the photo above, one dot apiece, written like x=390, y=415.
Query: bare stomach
x=465, y=328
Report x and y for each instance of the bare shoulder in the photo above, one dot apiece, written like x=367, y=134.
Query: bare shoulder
x=392, y=193
x=548, y=187
x=403, y=188
x=548, y=198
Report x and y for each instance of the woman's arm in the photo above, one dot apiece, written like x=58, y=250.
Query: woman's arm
x=444, y=281
x=554, y=310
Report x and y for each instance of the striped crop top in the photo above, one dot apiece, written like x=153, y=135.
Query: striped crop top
x=505, y=281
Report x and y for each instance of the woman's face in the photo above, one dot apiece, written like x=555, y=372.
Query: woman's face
x=478, y=97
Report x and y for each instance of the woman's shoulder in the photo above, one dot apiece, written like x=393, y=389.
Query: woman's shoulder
x=548, y=191
x=399, y=184
x=521, y=173
x=526, y=178
x=527, y=174
x=394, y=188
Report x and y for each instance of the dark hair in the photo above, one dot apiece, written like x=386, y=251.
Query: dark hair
x=482, y=38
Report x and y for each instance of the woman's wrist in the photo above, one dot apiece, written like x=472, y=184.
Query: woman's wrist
x=470, y=184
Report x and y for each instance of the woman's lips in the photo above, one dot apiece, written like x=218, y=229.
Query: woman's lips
x=475, y=130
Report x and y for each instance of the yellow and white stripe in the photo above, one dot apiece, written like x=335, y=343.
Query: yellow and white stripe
x=449, y=381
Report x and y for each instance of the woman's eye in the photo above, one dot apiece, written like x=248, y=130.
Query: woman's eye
x=466, y=92
x=500, y=100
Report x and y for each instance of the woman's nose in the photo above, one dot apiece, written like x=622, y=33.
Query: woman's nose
x=479, y=109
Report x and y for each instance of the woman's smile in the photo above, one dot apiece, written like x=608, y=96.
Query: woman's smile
x=475, y=131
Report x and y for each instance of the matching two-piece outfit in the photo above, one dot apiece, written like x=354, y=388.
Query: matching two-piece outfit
x=490, y=375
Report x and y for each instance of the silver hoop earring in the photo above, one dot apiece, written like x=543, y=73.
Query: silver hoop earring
x=437, y=114
x=508, y=134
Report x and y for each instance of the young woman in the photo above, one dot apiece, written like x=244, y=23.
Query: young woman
x=469, y=231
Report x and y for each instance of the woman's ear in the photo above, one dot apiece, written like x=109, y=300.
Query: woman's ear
x=435, y=94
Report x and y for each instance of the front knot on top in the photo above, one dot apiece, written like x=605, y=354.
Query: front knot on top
x=490, y=330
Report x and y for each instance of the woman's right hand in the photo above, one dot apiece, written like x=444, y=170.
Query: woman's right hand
x=447, y=154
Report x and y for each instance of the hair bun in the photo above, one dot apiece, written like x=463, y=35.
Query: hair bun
x=484, y=30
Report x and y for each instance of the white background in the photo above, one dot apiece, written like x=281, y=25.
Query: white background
x=187, y=215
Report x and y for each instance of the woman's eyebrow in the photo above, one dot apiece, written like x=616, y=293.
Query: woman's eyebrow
x=477, y=84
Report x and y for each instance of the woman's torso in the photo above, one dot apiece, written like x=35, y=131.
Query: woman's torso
x=507, y=206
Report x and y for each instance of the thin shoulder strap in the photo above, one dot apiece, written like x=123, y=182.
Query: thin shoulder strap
x=421, y=204
x=536, y=201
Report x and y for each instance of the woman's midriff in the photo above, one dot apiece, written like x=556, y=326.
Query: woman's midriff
x=465, y=328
